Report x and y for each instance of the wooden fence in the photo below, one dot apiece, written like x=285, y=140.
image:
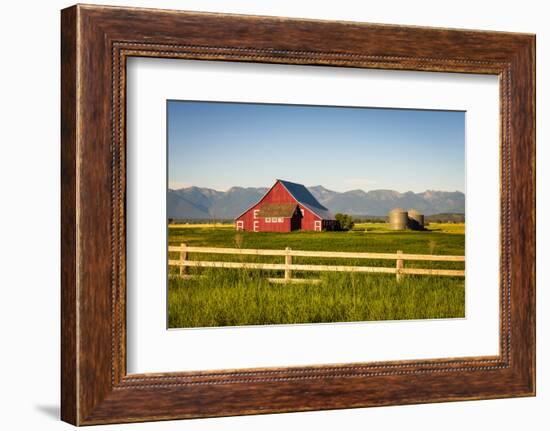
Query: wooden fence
x=288, y=267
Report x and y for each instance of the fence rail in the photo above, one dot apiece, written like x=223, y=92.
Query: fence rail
x=288, y=267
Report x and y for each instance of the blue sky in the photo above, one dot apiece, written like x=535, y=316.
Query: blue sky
x=220, y=145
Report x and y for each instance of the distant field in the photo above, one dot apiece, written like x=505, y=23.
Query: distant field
x=232, y=297
x=457, y=228
x=370, y=227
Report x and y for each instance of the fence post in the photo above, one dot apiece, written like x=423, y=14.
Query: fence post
x=288, y=262
x=183, y=257
x=399, y=266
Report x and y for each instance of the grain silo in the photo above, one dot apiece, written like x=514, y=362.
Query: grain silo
x=416, y=220
x=398, y=219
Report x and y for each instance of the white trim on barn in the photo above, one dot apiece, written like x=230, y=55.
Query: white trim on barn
x=256, y=213
x=317, y=225
x=255, y=225
x=239, y=225
x=261, y=199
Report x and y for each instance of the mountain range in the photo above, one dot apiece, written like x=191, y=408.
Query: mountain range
x=204, y=203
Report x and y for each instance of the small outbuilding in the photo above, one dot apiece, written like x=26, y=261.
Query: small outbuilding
x=286, y=207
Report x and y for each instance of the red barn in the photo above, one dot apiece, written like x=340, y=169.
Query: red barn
x=286, y=207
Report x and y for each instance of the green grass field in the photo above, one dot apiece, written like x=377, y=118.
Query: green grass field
x=233, y=297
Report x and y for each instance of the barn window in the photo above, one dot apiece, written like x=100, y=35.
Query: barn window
x=280, y=220
x=268, y=219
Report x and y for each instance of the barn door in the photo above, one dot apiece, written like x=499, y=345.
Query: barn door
x=296, y=222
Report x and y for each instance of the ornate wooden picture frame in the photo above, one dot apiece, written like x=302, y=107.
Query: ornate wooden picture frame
x=96, y=41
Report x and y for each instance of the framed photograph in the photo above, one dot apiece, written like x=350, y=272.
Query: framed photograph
x=263, y=214
x=269, y=237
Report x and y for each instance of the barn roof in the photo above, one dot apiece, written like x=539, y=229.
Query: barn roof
x=277, y=210
x=304, y=196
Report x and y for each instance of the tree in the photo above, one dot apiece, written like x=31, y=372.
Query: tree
x=345, y=222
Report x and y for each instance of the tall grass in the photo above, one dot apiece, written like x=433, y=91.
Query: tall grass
x=241, y=297
x=234, y=297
